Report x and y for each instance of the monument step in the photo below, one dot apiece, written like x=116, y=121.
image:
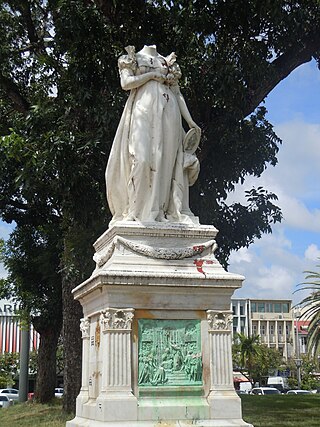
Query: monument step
x=82, y=422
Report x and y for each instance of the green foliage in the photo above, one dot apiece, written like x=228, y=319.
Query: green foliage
x=246, y=351
x=31, y=256
x=308, y=368
x=311, y=308
x=67, y=86
x=268, y=360
x=309, y=380
x=258, y=360
x=9, y=367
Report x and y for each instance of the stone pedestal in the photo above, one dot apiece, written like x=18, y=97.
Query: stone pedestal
x=157, y=331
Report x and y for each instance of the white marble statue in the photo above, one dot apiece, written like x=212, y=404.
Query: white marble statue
x=152, y=161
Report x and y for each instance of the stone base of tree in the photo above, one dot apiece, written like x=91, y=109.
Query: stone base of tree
x=157, y=331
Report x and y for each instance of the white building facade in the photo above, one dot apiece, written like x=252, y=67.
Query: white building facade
x=10, y=329
x=271, y=319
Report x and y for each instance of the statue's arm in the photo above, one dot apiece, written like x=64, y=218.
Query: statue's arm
x=130, y=81
x=183, y=107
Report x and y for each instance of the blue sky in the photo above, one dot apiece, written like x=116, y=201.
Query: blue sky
x=274, y=265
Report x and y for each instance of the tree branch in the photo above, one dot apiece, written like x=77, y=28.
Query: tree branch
x=14, y=204
x=26, y=13
x=280, y=68
x=107, y=7
x=13, y=92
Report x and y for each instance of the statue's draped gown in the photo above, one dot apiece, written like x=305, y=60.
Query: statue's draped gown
x=146, y=177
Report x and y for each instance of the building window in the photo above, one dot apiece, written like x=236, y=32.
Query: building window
x=242, y=325
x=233, y=309
x=287, y=330
x=261, y=308
x=277, y=307
x=268, y=308
x=253, y=307
x=285, y=307
x=303, y=340
x=254, y=329
x=280, y=329
x=241, y=310
x=271, y=329
x=262, y=329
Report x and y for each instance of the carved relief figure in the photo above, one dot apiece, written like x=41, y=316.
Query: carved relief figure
x=146, y=366
x=169, y=352
x=152, y=161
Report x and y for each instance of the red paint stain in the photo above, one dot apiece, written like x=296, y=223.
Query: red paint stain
x=199, y=264
x=199, y=248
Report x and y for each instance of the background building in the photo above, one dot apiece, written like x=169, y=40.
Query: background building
x=10, y=329
x=272, y=319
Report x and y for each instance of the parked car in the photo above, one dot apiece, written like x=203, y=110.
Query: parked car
x=264, y=390
x=4, y=401
x=299, y=392
x=58, y=392
x=281, y=383
x=12, y=393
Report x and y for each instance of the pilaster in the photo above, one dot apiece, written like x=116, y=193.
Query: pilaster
x=222, y=393
x=83, y=396
x=116, y=388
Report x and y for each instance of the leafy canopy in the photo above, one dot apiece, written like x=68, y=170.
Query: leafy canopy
x=60, y=97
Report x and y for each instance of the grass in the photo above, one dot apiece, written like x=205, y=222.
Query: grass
x=282, y=410
x=31, y=414
x=261, y=411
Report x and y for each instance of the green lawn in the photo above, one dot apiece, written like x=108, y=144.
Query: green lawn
x=33, y=415
x=282, y=410
x=261, y=411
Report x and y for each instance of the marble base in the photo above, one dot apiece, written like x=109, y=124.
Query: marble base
x=81, y=422
x=166, y=273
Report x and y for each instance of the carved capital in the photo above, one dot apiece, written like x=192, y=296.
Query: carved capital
x=220, y=320
x=85, y=327
x=116, y=319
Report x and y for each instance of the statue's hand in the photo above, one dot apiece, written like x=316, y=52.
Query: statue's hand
x=170, y=79
x=158, y=77
x=193, y=125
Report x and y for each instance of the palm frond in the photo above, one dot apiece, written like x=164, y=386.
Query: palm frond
x=311, y=306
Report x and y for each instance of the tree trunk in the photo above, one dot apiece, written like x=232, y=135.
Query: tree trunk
x=72, y=313
x=47, y=376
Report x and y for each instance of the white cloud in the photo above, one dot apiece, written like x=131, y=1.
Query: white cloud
x=298, y=172
x=242, y=255
x=297, y=215
x=272, y=268
x=312, y=252
x=295, y=180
